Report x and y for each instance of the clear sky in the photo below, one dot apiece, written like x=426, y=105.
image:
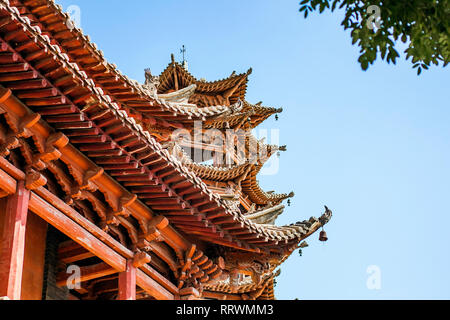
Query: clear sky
x=373, y=146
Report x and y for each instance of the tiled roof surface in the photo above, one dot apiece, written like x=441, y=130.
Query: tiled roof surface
x=116, y=141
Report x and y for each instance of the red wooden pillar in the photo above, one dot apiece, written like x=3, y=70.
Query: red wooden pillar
x=127, y=283
x=13, y=243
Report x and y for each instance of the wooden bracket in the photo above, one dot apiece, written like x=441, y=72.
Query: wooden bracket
x=111, y=219
x=11, y=142
x=155, y=225
x=89, y=177
x=37, y=163
x=153, y=234
x=75, y=194
x=142, y=243
x=160, y=222
x=189, y=293
x=34, y=180
x=141, y=258
x=124, y=202
x=27, y=123
x=54, y=142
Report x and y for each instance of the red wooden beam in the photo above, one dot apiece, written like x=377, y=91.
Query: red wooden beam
x=13, y=243
x=81, y=231
x=127, y=283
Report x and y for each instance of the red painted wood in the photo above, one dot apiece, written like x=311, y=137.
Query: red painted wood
x=13, y=243
x=127, y=283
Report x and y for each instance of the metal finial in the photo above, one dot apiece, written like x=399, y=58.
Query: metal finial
x=184, y=62
x=183, y=51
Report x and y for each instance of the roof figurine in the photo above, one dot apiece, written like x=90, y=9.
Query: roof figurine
x=151, y=83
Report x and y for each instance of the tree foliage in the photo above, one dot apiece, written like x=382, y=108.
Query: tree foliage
x=377, y=26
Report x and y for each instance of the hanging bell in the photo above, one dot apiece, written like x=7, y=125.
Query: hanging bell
x=323, y=236
x=289, y=202
x=276, y=117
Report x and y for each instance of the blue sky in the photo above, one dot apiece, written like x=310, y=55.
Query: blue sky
x=373, y=146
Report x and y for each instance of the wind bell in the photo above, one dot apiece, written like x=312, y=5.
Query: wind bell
x=323, y=235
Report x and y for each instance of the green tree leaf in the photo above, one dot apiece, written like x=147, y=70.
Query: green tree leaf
x=424, y=25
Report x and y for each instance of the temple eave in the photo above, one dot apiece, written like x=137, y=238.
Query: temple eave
x=81, y=148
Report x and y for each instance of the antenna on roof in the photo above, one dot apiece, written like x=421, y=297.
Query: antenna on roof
x=184, y=62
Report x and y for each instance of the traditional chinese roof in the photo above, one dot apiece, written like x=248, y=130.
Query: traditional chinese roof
x=53, y=76
x=268, y=292
x=259, y=154
x=252, y=289
x=229, y=90
x=128, y=94
x=267, y=215
x=257, y=151
x=115, y=142
x=245, y=173
x=258, y=113
x=209, y=172
x=249, y=117
x=251, y=187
